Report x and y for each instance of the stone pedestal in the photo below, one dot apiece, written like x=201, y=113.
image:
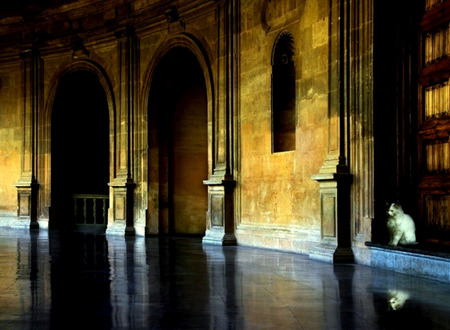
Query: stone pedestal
x=335, y=245
x=27, y=204
x=220, y=217
x=120, y=216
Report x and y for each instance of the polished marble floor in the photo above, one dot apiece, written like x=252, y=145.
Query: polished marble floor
x=52, y=280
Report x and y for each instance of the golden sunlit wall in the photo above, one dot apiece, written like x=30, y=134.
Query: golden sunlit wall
x=11, y=140
x=279, y=204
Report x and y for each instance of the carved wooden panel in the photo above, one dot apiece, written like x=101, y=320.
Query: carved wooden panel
x=434, y=123
x=437, y=208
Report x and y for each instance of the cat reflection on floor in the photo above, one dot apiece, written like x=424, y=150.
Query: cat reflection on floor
x=402, y=229
x=397, y=299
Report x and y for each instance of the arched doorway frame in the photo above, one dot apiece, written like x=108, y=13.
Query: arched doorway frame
x=45, y=128
x=203, y=55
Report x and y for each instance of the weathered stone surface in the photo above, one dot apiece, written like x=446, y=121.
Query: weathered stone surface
x=11, y=123
x=269, y=199
x=276, y=189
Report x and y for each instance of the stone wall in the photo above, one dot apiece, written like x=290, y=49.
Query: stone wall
x=11, y=140
x=255, y=196
x=277, y=198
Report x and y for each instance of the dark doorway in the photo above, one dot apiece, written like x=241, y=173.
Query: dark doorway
x=395, y=110
x=79, y=153
x=178, y=130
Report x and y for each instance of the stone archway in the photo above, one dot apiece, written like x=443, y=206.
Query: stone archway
x=80, y=153
x=178, y=158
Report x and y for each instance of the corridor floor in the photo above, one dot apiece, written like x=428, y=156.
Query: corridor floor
x=52, y=280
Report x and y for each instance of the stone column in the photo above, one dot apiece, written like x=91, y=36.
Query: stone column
x=27, y=186
x=121, y=215
x=220, y=226
x=334, y=177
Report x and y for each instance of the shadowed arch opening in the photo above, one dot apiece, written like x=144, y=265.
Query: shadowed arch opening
x=79, y=153
x=178, y=156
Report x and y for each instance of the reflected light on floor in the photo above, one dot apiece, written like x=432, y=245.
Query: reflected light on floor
x=53, y=279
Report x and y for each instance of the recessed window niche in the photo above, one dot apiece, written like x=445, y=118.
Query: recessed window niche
x=283, y=94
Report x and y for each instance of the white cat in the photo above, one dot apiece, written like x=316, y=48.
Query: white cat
x=401, y=226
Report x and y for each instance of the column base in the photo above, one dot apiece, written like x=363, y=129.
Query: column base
x=217, y=236
x=121, y=215
x=130, y=231
x=343, y=256
x=332, y=254
x=27, y=203
x=335, y=218
x=323, y=252
x=117, y=227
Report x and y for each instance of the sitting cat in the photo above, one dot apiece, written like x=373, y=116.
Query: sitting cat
x=401, y=226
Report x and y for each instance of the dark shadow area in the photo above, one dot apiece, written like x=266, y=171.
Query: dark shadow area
x=80, y=281
x=29, y=8
x=79, y=151
x=403, y=154
x=283, y=94
x=395, y=110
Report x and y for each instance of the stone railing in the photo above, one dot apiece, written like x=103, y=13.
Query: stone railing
x=90, y=209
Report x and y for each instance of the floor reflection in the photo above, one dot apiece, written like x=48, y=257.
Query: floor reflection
x=53, y=280
x=397, y=299
x=80, y=281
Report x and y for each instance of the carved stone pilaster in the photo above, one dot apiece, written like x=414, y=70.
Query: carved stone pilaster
x=128, y=48
x=220, y=226
x=121, y=214
x=334, y=176
x=27, y=186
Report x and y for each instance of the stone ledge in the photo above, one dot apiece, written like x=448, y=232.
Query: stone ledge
x=420, y=249
x=283, y=238
x=411, y=260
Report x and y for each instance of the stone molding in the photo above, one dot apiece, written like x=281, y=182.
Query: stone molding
x=286, y=238
x=435, y=266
